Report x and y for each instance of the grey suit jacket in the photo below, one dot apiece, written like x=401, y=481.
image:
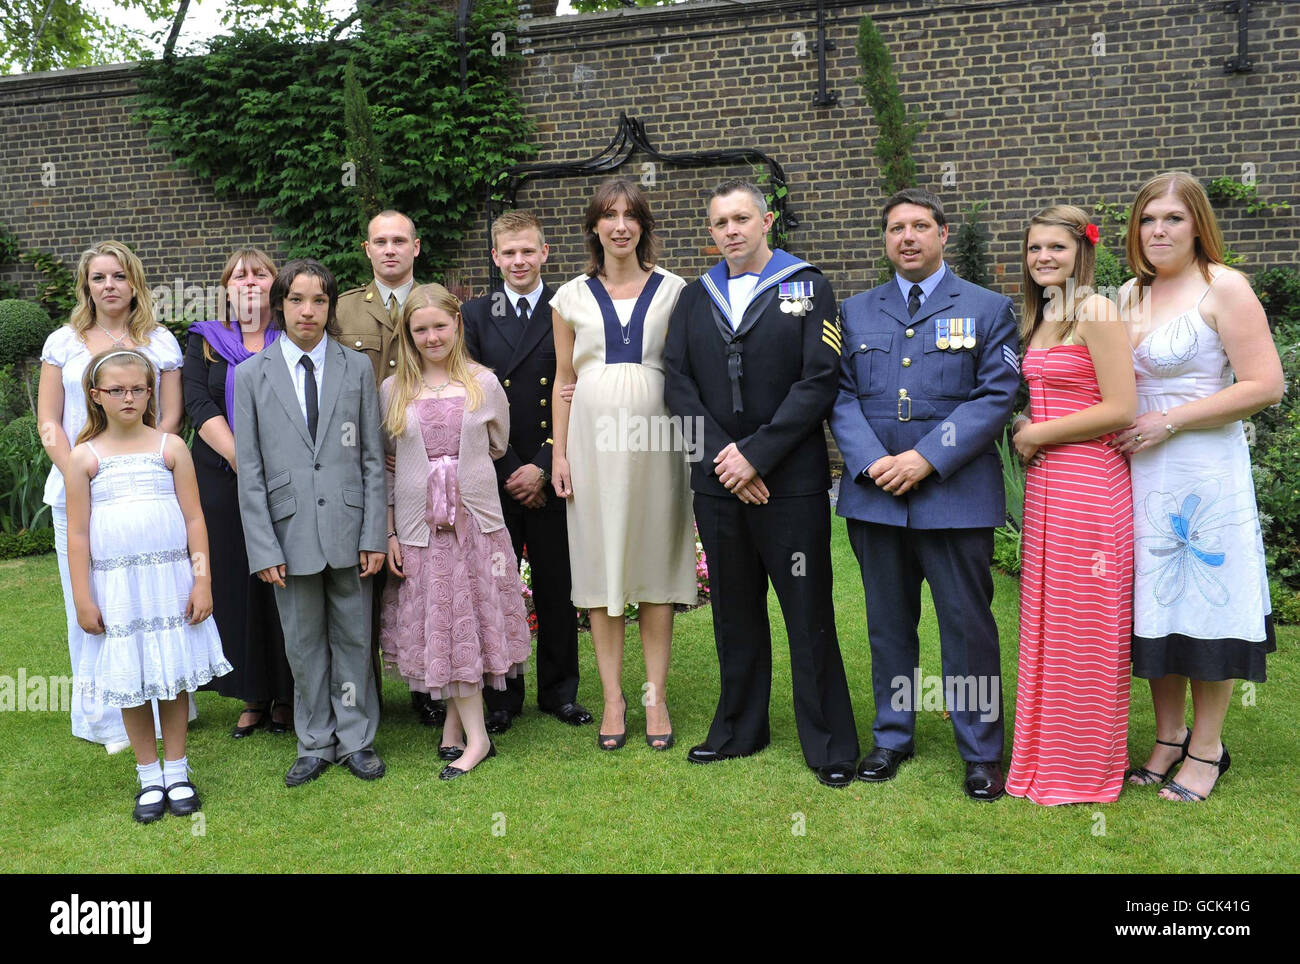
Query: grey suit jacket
x=308, y=505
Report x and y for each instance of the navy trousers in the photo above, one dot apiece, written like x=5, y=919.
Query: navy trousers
x=955, y=562
x=788, y=542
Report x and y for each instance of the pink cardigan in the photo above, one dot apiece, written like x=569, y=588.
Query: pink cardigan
x=484, y=433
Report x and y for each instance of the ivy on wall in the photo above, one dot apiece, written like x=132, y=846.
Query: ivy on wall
x=264, y=119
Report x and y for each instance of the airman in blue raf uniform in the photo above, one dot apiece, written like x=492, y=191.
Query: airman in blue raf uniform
x=753, y=358
x=929, y=377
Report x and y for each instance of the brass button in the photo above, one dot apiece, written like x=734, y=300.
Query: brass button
x=543, y=381
x=506, y=383
x=907, y=363
x=910, y=332
x=392, y=362
x=541, y=402
x=862, y=347
x=543, y=425
x=358, y=343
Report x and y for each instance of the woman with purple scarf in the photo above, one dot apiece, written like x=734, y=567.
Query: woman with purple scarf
x=244, y=607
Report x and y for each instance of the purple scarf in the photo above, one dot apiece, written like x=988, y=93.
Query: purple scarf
x=229, y=344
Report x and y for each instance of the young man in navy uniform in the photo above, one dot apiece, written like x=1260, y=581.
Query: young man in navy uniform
x=509, y=331
x=930, y=372
x=752, y=360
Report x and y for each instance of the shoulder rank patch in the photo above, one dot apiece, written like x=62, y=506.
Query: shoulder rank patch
x=832, y=334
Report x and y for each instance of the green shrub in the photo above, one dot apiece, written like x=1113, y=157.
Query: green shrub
x=18, y=386
x=24, y=467
x=971, y=259
x=29, y=542
x=1279, y=292
x=23, y=330
x=1006, y=539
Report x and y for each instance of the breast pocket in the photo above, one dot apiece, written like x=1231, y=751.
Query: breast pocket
x=870, y=361
x=947, y=374
x=367, y=343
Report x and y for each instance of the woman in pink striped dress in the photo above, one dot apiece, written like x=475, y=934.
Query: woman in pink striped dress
x=1076, y=596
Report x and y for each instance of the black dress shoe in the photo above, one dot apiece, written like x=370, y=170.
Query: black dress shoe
x=498, y=721
x=575, y=714
x=304, y=770
x=881, y=764
x=450, y=772
x=274, y=726
x=433, y=713
x=365, y=764
x=706, y=754
x=984, y=780
x=835, y=774
x=149, y=812
x=183, y=806
x=239, y=732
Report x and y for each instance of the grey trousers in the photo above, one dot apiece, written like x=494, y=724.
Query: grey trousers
x=326, y=623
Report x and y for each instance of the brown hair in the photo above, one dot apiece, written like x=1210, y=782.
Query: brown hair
x=1074, y=220
x=142, y=319
x=96, y=420
x=917, y=196
x=284, y=281
x=1188, y=190
x=647, y=248
x=408, y=379
x=512, y=222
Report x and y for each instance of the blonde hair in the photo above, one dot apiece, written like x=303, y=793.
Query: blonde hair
x=1209, y=239
x=142, y=320
x=1074, y=220
x=512, y=222
x=96, y=420
x=408, y=380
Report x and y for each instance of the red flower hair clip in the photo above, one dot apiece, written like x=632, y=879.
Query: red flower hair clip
x=1092, y=233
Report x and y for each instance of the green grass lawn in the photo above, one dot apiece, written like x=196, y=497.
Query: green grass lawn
x=552, y=802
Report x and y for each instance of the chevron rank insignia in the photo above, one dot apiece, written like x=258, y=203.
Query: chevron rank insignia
x=832, y=334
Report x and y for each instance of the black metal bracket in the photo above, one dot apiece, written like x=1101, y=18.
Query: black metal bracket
x=1239, y=64
x=629, y=138
x=823, y=97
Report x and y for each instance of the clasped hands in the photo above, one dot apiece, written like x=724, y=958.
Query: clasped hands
x=527, y=486
x=901, y=473
x=739, y=477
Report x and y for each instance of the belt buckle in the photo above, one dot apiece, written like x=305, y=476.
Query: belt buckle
x=904, y=397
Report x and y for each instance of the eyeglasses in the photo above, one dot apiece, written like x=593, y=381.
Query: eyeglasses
x=117, y=394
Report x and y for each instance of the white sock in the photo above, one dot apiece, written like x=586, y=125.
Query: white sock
x=174, y=772
x=151, y=775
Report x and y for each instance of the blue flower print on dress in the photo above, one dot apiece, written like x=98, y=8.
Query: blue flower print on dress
x=1187, y=548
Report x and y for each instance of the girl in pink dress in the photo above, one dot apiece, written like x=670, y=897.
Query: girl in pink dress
x=454, y=619
x=1076, y=595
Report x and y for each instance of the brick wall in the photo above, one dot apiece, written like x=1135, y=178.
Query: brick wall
x=1026, y=104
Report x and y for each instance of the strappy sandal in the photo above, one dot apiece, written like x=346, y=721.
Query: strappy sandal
x=1149, y=778
x=1191, y=796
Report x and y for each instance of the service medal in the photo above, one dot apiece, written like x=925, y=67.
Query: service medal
x=941, y=334
x=969, y=341
x=796, y=297
x=957, y=340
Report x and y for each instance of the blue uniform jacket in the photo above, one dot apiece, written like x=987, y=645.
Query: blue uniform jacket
x=956, y=404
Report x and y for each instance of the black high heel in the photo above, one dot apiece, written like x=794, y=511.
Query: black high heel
x=1149, y=778
x=610, y=741
x=1191, y=796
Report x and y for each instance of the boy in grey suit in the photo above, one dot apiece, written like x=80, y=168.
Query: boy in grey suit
x=311, y=495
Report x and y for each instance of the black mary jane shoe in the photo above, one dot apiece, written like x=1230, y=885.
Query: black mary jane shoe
x=149, y=812
x=450, y=772
x=183, y=806
x=263, y=715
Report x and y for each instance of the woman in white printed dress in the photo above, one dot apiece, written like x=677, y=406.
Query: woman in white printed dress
x=1205, y=360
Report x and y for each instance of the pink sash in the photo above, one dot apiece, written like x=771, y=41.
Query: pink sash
x=444, y=496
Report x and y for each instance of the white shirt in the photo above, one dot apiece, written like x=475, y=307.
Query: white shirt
x=533, y=297
x=739, y=290
x=298, y=374
x=927, y=284
x=386, y=292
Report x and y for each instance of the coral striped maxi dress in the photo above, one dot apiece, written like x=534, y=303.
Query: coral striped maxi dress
x=1076, y=601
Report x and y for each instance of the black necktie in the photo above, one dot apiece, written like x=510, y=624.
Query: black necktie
x=523, y=309
x=313, y=409
x=914, y=300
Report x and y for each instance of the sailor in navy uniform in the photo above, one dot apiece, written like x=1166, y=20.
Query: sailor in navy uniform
x=752, y=365
x=930, y=372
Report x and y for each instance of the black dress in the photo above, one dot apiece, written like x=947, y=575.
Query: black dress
x=242, y=605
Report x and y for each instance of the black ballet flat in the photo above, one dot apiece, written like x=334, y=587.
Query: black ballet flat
x=450, y=772
x=263, y=716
